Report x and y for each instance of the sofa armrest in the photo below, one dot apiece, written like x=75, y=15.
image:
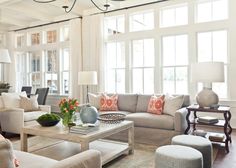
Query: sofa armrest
x=45, y=108
x=180, y=120
x=12, y=120
x=87, y=159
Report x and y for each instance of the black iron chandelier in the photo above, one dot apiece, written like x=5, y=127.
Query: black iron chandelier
x=69, y=8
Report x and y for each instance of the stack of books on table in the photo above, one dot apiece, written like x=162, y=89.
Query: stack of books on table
x=208, y=120
x=81, y=129
x=216, y=137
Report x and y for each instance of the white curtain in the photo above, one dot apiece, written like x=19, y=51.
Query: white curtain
x=75, y=58
x=93, y=44
x=10, y=69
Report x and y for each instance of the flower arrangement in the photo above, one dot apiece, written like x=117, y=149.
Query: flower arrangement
x=68, y=108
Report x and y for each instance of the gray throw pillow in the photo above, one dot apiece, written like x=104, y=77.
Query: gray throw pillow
x=172, y=104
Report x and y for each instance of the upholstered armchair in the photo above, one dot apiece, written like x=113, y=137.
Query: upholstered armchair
x=13, y=119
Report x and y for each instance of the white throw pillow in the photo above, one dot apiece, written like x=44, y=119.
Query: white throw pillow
x=12, y=100
x=94, y=100
x=172, y=104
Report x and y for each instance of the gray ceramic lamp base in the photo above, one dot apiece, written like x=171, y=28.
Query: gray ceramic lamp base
x=207, y=98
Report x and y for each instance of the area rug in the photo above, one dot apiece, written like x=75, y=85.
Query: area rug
x=143, y=156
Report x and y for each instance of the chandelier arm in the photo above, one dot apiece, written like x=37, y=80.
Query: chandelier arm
x=44, y=1
x=103, y=10
x=68, y=11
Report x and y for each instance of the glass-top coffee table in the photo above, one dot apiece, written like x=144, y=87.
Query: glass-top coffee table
x=105, y=130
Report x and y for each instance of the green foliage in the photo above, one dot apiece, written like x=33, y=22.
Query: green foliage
x=49, y=117
x=4, y=85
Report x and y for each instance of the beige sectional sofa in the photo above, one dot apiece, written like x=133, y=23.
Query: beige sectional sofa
x=150, y=128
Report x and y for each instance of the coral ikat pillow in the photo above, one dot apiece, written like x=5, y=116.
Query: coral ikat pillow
x=156, y=105
x=108, y=103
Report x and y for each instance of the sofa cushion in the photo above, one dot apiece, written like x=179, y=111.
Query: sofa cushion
x=148, y=120
x=172, y=104
x=33, y=115
x=127, y=102
x=28, y=160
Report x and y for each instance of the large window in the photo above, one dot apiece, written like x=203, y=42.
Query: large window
x=162, y=41
x=175, y=61
x=212, y=46
x=143, y=66
x=115, y=67
x=46, y=59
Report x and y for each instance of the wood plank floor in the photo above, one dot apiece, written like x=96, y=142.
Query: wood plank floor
x=227, y=160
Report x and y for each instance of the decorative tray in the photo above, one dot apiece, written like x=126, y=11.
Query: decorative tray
x=111, y=118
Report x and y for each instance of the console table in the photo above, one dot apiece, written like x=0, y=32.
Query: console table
x=225, y=123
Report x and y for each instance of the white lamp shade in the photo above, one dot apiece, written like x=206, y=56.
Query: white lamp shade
x=4, y=56
x=87, y=78
x=207, y=72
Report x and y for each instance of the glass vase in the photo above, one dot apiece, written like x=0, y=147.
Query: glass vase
x=67, y=118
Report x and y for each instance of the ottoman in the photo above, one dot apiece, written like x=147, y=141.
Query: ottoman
x=177, y=156
x=201, y=144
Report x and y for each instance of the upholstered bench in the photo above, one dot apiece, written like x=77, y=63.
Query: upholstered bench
x=199, y=143
x=177, y=156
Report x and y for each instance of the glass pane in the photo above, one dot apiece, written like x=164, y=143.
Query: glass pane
x=149, y=81
x=181, y=50
x=149, y=52
x=181, y=15
x=51, y=60
x=138, y=53
x=52, y=82
x=222, y=6
x=220, y=46
x=181, y=80
x=137, y=81
x=120, y=81
x=168, y=46
x=120, y=55
x=65, y=59
x=35, y=39
x=111, y=26
x=111, y=55
x=204, y=12
x=120, y=24
x=111, y=81
x=168, y=17
x=65, y=83
x=168, y=80
x=20, y=41
x=51, y=36
x=142, y=21
x=204, y=47
x=35, y=81
x=34, y=61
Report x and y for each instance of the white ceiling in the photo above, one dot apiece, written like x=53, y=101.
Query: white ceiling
x=24, y=13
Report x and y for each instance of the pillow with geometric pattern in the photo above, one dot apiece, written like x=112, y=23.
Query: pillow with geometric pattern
x=29, y=104
x=156, y=104
x=109, y=103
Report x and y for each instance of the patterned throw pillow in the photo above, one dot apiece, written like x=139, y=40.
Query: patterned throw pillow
x=7, y=157
x=29, y=104
x=155, y=105
x=108, y=103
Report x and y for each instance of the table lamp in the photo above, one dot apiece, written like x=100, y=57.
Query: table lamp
x=207, y=72
x=87, y=78
x=4, y=59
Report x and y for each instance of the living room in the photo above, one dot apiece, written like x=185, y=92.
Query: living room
x=143, y=72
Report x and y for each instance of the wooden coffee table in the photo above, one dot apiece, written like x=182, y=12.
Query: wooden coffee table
x=105, y=130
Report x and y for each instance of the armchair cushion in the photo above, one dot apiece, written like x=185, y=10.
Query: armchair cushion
x=12, y=100
x=33, y=115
